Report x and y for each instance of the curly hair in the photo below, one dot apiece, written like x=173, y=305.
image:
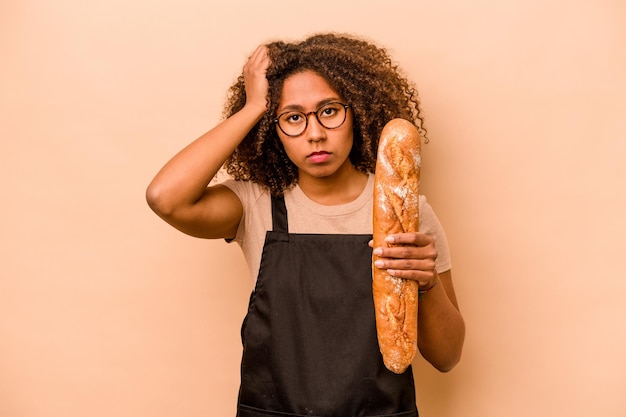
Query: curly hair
x=362, y=73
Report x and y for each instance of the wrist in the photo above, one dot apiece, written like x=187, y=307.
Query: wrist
x=422, y=291
x=257, y=109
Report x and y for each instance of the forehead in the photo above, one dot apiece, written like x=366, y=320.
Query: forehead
x=306, y=90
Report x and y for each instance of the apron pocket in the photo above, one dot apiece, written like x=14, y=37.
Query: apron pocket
x=403, y=414
x=246, y=411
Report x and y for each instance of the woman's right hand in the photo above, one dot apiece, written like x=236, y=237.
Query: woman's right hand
x=255, y=77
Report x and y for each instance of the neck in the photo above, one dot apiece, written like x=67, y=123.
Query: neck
x=342, y=187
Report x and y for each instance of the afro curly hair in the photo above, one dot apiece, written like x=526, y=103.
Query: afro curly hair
x=362, y=73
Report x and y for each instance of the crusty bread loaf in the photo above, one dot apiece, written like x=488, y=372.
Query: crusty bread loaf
x=396, y=210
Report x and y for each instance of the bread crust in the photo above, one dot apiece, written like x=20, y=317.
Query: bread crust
x=396, y=210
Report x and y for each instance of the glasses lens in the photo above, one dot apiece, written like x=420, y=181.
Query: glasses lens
x=332, y=115
x=292, y=123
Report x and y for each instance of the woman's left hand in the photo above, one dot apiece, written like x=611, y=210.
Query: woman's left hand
x=409, y=256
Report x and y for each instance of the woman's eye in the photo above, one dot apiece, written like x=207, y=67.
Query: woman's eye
x=294, y=118
x=328, y=111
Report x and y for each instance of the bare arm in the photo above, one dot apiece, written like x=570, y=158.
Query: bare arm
x=180, y=192
x=441, y=326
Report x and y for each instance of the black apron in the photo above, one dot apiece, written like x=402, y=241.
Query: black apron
x=309, y=337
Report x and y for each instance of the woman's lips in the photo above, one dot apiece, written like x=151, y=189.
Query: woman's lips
x=319, y=157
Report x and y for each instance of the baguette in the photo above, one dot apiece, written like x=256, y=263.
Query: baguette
x=396, y=210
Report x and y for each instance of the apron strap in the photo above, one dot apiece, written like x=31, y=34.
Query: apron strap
x=279, y=214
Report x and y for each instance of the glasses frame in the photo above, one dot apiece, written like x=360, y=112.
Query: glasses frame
x=316, y=113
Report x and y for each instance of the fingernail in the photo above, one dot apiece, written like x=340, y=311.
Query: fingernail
x=379, y=264
x=378, y=251
x=389, y=239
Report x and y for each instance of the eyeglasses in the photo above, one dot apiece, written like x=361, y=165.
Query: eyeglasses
x=330, y=116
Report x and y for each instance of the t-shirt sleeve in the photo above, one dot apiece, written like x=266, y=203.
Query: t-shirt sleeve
x=238, y=187
x=255, y=221
x=430, y=225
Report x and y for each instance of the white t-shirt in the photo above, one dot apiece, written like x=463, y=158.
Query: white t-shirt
x=306, y=216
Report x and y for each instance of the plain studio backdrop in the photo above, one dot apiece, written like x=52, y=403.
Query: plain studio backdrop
x=107, y=311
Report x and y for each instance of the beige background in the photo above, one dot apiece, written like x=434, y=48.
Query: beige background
x=107, y=311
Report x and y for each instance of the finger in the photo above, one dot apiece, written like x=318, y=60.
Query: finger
x=257, y=64
x=421, y=271
x=398, y=252
x=419, y=239
x=423, y=277
x=423, y=265
x=259, y=55
x=255, y=53
x=407, y=252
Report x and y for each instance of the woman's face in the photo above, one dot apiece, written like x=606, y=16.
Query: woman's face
x=317, y=152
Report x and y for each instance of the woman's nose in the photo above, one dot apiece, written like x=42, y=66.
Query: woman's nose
x=315, y=131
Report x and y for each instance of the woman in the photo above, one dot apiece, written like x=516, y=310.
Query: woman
x=300, y=139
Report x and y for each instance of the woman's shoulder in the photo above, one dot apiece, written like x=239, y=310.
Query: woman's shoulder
x=248, y=192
